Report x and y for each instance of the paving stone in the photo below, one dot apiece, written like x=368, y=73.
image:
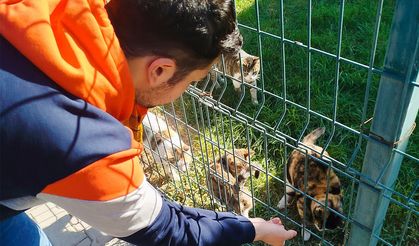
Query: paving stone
x=66, y=230
x=98, y=238
x=62, y=233
x=118, y=242
x=38, y=210
x=85, y=242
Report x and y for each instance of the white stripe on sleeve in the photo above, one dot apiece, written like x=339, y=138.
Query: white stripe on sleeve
x=118, y=217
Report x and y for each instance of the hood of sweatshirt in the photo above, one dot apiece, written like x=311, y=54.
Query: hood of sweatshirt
x=74, y=43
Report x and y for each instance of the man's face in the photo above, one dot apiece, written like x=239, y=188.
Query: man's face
x=168, y=93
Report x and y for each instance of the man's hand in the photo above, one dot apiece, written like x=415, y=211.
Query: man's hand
x=271, y=232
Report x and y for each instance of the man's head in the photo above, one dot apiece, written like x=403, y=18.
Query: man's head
x=170, y=43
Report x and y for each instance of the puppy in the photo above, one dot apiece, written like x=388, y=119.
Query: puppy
x=316, y=186
x=227, y=177
x=251, y=69
x=244, y=203
x=166, y=145
x=224, y=187
x=239, y=165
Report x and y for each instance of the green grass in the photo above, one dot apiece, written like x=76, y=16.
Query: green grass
x=357, y=36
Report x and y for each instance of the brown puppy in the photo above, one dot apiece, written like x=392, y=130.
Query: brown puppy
x=244, y=202
x=239, y=164
x=317, y=173
x=227, y=177
x=224, y=187
x=166, y=145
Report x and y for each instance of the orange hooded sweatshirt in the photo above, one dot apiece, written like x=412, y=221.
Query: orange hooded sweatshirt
x=73, y=43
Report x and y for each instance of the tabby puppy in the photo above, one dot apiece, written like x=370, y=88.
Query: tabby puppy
x=166, y=145
x=251, y=68
x=239, y=164
x=224, y=187
x=316, y=186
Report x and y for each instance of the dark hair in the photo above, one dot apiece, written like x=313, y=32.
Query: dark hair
x=192, y=32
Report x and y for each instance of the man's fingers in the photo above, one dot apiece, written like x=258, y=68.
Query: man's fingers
x=257, y=220
x=276, y=220
x=289, y=234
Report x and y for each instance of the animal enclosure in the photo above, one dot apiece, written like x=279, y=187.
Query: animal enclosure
x=348, y=66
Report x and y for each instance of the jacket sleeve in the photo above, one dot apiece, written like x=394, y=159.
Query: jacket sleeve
x=143, y=217
x=180, y=225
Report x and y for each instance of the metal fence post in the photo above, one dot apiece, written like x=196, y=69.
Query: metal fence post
x=395, y=112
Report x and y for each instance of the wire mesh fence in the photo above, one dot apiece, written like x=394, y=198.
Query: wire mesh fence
x=322, y=64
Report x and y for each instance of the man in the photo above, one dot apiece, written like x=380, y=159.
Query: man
x=70, y=73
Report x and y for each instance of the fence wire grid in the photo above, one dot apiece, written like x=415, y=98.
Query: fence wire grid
x=348, y=66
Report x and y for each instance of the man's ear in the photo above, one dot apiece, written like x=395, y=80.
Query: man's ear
x=160, y=71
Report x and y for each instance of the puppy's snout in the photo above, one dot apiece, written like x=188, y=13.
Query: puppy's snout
x=185, y=148
x=243, y=176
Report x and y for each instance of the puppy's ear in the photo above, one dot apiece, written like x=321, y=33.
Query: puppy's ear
x=252, y=152
x=247, y=61
x=255, y=62
x=158, y=138
x=246, y=153
x=156, y=141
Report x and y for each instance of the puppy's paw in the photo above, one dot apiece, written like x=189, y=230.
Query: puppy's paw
x=281, y=203
x=238, y=90
x=306, y=234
